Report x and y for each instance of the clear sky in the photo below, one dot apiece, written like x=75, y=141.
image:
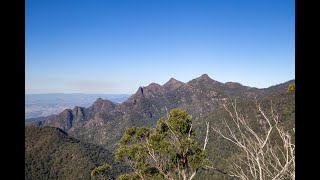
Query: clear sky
x=115, y=46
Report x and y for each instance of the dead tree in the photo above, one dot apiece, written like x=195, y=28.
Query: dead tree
x=260, y=158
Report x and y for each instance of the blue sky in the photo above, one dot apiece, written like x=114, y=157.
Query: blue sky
x=115, y=46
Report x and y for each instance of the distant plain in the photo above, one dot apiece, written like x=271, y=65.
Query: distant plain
x=39, y=105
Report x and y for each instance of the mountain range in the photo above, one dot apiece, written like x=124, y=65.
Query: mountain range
x=42, y=105
x=104, y=122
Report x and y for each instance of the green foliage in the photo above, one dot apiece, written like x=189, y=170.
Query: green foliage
x=51, y=154
x=180, y=122
x=127, y=177
x=292, y=87
x=101, y=170
x=163, y=152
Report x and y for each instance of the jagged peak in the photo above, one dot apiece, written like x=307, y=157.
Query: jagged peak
x=102, y=102
x=77, y=108
x=154, y=87
x=173, y=81
x=173, y=84
x=140, y=90
x=204, y=76
x=99, y=100
x=138, y=93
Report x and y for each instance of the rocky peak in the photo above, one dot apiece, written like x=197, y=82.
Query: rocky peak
x=140, y=91
x=97, y=104
x=78, y=112
x=98, y=101
x=204, y=77
x=133, y=99
x=63, y=120
x=100, y=106
x=172, y=84
x=154, y=87
x=149, y=91
x=172, y=80
x=76, y=109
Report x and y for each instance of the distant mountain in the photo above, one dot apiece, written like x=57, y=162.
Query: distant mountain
x=37, y=105
x=104, y=122
x=51, y=154
x=67, y=119
x=36, y=119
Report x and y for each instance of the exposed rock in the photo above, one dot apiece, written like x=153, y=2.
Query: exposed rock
x=104, y=122
x=172, y=84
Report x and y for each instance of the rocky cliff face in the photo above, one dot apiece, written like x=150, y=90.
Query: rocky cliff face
x=78, y=116
x=172, y=85
x=64, y=120
x=104, y=122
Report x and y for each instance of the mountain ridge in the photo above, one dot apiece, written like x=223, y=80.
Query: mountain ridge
x=198, y=96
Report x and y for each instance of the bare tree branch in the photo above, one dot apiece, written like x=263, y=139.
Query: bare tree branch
x=261, y=159
x=206, y=140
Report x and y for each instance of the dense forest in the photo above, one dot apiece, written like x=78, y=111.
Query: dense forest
x=51, y=154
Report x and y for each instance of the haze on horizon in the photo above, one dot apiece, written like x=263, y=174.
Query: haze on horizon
x=115, y=46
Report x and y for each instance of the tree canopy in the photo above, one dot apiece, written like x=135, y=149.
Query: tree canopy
x=167, y=152
x=101, y=170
